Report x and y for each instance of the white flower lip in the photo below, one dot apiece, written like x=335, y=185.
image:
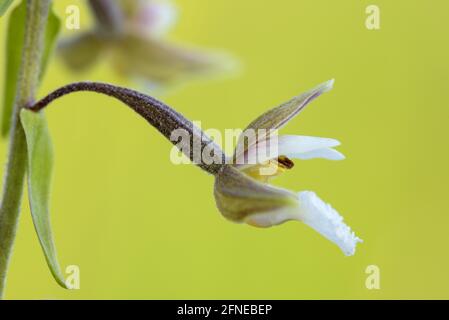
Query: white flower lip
x=324, y=219
x=315, y=213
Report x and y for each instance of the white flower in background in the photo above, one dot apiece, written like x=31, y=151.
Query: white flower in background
x=242, y=191
x=153, y=18
x=130, y=35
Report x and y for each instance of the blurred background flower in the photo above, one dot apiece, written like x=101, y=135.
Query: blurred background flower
x=130, y=35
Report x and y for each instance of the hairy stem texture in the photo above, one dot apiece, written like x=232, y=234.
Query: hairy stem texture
x=36, y=20
x=165, y=119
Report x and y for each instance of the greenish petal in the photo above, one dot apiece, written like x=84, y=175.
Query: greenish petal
x=81, y=52
x=155, y=61
x=238, y=196
x=278, y=117
x=130, y=8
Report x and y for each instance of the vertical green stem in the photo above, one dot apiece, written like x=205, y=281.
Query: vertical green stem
x=37, y=14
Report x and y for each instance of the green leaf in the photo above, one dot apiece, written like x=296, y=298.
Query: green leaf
x=4, y=5
x=51, y=34
x=39, y=147
x=40, y=163
x=14, y=45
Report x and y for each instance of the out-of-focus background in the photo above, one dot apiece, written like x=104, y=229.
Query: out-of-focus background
x=141, y=227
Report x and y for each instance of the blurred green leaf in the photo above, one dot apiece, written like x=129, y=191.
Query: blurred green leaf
x=51, y=34
x=4, y=5
x=14, y=45
x=40, y=163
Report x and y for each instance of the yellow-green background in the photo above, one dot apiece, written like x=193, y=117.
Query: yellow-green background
x=140, y=227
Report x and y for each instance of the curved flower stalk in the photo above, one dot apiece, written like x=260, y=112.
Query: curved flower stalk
x=131, y=35
x=159, y=115
x=242, y=192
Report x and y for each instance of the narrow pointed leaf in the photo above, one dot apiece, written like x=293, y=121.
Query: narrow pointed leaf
x=4, y=5
x=81, y=52
x=51, y=34
x=40, y=163
x=14, y=45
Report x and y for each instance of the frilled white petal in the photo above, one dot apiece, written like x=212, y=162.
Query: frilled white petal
x=315, y=213
x=325, y=153
x=326, y=220
x=288, y=145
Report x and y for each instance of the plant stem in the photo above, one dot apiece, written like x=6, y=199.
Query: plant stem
x=36, y=21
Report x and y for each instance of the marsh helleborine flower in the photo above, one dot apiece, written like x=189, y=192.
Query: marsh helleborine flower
x=242, y=192
x=130, y=35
